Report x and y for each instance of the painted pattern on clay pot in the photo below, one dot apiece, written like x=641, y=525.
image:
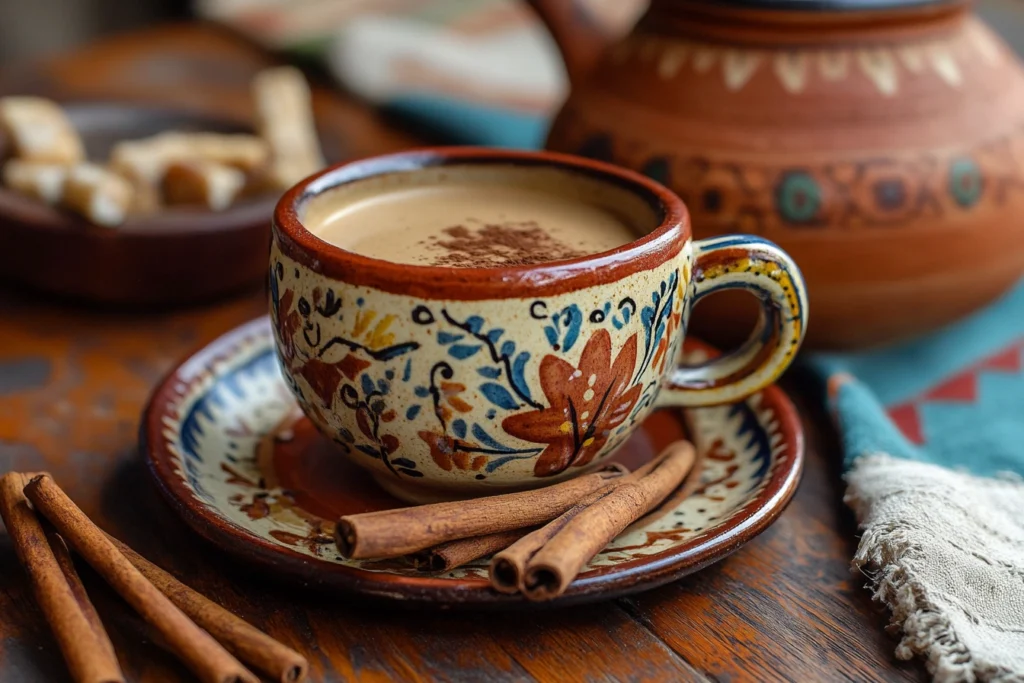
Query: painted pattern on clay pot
x=882, y=149
x=451, y=382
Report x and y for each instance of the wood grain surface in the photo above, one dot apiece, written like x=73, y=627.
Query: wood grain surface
x=73, y=382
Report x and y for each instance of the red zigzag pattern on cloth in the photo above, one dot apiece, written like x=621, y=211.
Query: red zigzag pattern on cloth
x=962, y=388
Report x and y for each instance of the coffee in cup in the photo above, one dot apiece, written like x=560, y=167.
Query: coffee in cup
x=477, y=220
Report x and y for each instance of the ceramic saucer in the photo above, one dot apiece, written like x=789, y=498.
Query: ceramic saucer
x=207, y=435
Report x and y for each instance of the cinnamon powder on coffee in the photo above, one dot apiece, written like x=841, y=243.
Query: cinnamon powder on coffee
x=508, y=244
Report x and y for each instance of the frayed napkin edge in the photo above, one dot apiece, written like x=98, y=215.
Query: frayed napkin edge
x=888, y=557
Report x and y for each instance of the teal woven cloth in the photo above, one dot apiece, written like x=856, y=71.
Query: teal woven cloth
x=954, y=398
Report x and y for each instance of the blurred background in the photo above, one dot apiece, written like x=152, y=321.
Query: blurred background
x=490, y=51
x=393, y=42
x=390, y=74
x=40, y=27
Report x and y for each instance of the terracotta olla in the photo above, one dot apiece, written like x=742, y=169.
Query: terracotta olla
x=450, y=382
x=880, y=143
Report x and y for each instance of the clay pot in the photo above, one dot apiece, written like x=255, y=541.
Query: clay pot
x=881, y=144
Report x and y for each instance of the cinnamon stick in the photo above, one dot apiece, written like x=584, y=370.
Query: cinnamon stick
x=393, y=533
x=76, y=626
x=508, y=567
x=194, y=646
x=245, y=641
x=448, y=556
x=553, y=567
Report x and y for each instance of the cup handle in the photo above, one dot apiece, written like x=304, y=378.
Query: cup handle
x=763, y=269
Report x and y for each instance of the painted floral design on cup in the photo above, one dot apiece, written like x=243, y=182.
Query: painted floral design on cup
x=479, y=399
x=466, y=381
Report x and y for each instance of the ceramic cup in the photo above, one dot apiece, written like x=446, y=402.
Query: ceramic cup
x=456, y=382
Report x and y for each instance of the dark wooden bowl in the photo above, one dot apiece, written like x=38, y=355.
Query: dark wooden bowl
x=181, y=255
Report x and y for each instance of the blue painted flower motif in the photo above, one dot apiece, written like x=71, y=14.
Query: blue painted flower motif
x=659, y=318
x=457, y=444
x=499, y=396
x=966, y=182
x=798, y=197
x=471, y=339
x=564, y=328
x=369, y=403
x=626, y=309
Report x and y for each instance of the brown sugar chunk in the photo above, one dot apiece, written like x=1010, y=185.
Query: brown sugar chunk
x=241, y=150
x=207, y=183
x=39, y=131
x=39, y=180
x=149, y=157
x=100, y=195
x=284, y=118
x=145, y=162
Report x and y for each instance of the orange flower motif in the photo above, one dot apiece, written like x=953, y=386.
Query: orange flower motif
x=446, y=452
x=450, y=400
x=660, y=355
x=585, y=405
x=324, y=378
x=288, y=322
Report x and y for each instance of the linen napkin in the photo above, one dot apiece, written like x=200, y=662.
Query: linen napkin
x=933, y=434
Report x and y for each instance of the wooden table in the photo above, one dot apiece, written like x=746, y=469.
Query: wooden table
x=73, y=382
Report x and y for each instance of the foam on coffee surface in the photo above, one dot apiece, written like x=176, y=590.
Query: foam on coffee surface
x=483, y=219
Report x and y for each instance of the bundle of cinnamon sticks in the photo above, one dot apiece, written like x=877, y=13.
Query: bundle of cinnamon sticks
x=208, y=639
x=540, y=539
